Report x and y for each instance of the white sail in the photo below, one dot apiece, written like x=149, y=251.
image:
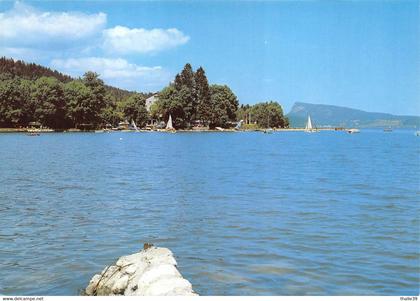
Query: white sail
x=239, y=125
x=169, y=125
x=309, y=124
x=134, y=125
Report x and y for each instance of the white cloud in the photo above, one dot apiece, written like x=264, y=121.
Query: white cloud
x=125, y=40
x=117, y=72
x=23, y=26
x=77, y=41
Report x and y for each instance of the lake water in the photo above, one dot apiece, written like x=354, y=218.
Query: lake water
x=244, y=213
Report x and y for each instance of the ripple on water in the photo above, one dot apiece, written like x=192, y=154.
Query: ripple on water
x=244, y=213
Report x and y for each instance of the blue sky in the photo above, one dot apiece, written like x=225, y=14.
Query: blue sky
x=361, y=54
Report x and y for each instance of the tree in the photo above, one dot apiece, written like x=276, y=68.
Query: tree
x=185, y=84
x=97, y=102
x=25, y=90
x=190, y=97
x=156, y=110
x=29, y=71
x=91, y=80
x=243, y=112
x=134, y=108
x=80, y=107
x=110, y=114
x=15, y=105
x=186, y=78
x=29, y=92
x=172, y=102
x=269, y=114
x=224, y=105
x=48, y=98
x=204, y=105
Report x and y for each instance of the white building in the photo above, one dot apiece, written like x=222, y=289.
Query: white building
x=151, y=100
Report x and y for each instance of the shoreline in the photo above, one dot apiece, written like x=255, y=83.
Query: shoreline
x=28, y=130
x=231, y=130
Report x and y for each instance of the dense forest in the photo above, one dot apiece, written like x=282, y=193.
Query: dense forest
x=30, y=93
x=10, y=69
x=190, y=100
x=263, y=115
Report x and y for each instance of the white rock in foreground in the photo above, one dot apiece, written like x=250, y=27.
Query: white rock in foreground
x=150, y=272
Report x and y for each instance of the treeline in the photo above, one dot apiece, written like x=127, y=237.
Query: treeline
x=10, y=69
x=30, y=94
x=190, y=100
x=264, y=115
x=82, y=103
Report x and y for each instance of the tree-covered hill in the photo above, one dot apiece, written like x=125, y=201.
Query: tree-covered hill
x=10, y=68
x=33, y=93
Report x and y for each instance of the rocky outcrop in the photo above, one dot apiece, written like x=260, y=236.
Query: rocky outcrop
x=150, y=272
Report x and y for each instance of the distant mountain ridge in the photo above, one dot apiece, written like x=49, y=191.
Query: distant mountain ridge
x=336, y=116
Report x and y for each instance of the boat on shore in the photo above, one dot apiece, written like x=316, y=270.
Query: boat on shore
x=32, y=133
x=134, y=126
x=268, y=131
x=169, y=126
x=353, y=131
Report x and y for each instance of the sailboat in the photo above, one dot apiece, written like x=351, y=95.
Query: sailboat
x=309, y=128
x=133, y=124
x=169, y=126
x=239, y=125
x=353, y=131
x=268, y=130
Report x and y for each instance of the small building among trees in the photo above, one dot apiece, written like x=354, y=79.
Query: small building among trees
x=150, y=101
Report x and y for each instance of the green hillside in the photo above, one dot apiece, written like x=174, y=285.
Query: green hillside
x=10, y=68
